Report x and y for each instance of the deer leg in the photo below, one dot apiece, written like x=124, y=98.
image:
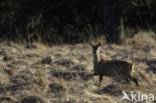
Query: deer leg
x=100, y=80
x=125, y=78
x=95, y=74
x=134, y=80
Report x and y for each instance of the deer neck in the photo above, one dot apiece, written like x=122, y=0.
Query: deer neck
x=96, y=57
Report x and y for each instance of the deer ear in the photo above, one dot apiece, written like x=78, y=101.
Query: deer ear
x=99, y=44
x=91, y=44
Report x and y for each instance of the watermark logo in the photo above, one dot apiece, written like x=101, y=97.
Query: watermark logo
x=137, y=96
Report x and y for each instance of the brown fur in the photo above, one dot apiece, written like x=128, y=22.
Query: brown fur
x=112, y=68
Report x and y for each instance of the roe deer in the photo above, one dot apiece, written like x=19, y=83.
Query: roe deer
x=111, y=68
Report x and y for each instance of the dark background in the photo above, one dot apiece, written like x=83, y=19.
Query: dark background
x=74, y=21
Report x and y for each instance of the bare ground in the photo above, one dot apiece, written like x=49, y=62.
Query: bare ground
x=60, y=74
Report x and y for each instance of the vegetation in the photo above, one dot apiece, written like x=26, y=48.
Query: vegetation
x=61, y=73
x=66, y=21
x=33, y=72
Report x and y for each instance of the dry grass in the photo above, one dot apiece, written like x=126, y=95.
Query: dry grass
x=60, y=74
